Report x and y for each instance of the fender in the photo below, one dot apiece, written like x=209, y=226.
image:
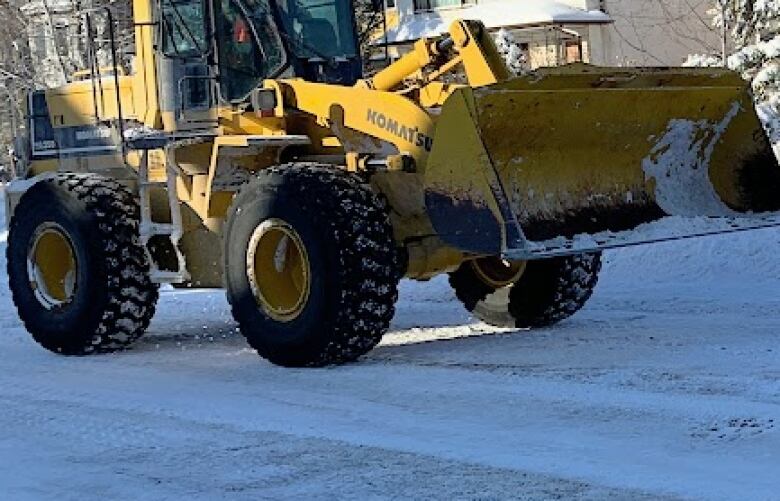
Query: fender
x=15, y=190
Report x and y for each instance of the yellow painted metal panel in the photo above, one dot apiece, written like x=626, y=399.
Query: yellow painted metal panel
x=75, y=103
x=365, y=120
x=145, y=78
x=459, y=177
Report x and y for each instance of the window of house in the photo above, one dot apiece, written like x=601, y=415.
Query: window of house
x=39, y=47
x=62, y=37
x=40, y=41
x=573, y=52
x=423, y=5
x=390, y=4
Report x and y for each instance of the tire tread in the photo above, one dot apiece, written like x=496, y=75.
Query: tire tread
x=132, y=297
x=369, y=268
x=548, y=292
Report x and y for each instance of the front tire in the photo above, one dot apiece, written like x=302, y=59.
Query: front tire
x=526, y=294
x=311, y=266
x=77, y=271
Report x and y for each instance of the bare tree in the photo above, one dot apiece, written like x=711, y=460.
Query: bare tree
x=370, y=24
x=657, y=32
x=17, y=76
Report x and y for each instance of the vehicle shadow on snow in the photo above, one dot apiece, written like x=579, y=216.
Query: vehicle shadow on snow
x=163, y=333
x=201, y=316
x=428, y=322
x=443, y=345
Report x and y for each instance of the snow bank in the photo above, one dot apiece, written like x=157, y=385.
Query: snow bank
x=749, y=257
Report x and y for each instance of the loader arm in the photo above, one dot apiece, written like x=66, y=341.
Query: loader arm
x=383, y=118
x=468, y=43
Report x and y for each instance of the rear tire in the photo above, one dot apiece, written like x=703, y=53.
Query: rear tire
x=311, y=266
x=543, y=293
x=90, y=290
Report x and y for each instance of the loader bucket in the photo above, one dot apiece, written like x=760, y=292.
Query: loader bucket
x=577, y=158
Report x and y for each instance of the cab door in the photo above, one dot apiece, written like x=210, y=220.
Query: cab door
x=248, y=47
x=187, y=82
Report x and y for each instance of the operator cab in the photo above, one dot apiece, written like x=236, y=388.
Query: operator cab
x=229, y=47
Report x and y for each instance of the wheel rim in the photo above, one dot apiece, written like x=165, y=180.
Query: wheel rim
x=51, y=266
x=497, y=272
x=278, y=270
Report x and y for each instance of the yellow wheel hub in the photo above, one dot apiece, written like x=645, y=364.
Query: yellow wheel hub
x=52, y=266
x=497, y=272
x=278, y=270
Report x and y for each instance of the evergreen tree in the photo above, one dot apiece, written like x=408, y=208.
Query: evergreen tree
x=752, y=29
x=754, y=26
x=513, y=54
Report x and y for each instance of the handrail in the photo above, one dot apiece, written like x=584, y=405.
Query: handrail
x=95, y=71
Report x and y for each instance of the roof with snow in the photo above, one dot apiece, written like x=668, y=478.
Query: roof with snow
x=495, y=15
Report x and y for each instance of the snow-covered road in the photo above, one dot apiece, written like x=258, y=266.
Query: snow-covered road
x=666, y=385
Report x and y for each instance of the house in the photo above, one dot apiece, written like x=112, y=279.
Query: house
x=59, y=43
x=51, y=33
x=555, y=32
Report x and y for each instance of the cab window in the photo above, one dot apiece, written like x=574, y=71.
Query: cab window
x=320, y=27
x=248, y=46
x=184, y=28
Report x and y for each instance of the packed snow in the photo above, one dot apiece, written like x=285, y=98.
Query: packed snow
x=679, y=163
x=667, y=385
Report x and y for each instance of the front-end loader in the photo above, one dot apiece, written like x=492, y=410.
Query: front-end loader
x=244, y=149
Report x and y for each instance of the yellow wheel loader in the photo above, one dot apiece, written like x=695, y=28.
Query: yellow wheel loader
x=243, y=148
